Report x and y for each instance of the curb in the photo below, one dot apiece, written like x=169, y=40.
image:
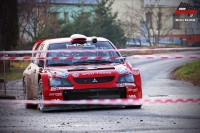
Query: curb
x=7, y=97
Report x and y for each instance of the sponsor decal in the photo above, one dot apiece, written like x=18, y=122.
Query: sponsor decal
x=105, y=72
x=129, y=66
x=122, y=70
x=92, y=73
x=132, y=90
x=55, y=100
x=125, y=84
x=81, y=67
x=132, y=96
x=54, y=88
x=75, y=74
x=135, y=71
x=55, y=94
x=78, y=46
x=73, y=46
x=94, y=81
x=87, y=73
x=91, y=67
x=63, y=75
x=89, y=45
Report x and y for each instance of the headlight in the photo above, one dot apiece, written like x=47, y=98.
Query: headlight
x=128, y=78
x=59, y=82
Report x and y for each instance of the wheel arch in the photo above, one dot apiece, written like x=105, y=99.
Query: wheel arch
x=39, y=77
x=137, y=76
x=45, y=81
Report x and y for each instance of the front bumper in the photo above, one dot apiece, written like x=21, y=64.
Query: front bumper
x=100, y=93
x=91, y=93
x=134, y=92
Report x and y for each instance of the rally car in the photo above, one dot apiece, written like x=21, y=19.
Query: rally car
x=92, y=68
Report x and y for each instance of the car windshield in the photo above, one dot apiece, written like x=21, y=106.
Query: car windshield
x=101, y=45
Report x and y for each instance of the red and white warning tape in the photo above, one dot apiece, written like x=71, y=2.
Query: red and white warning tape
x=163, y=56
x=120, y=50
x=60, y=58
x=107, y=101
x=105, y=58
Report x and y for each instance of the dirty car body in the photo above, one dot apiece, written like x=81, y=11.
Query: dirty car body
x=77, y=78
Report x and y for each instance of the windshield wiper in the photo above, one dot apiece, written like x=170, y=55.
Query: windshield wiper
x=59, y=64
x=92, y=61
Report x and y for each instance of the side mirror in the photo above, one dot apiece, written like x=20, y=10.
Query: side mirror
x=41, y=63
x=40, y=69
x=94, y=39
x=124, y=57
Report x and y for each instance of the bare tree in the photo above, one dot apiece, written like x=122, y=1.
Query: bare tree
x=38, y=19
x=32, y=17
x=149, y=20
x=196, y=4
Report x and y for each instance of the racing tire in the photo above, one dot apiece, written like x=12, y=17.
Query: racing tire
x=41, y=107
x=26, y=97
x=134, y=107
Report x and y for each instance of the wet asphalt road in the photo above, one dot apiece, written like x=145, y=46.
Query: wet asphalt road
x=151, y=118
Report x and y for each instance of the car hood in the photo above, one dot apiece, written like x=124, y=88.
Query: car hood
x=119, y=68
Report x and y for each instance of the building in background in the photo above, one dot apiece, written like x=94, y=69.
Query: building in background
x=41, y=18
x=152, y=22
x=64, y=9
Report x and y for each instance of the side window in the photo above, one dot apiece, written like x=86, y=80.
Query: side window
x=34, y=55
x=38, y=54
x=42, y=48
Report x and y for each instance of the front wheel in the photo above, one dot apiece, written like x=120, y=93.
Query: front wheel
x=41, y=107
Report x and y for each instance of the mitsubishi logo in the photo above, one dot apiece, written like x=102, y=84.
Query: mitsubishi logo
x=94, y=80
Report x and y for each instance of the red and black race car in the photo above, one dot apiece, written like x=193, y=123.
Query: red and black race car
x=89, y=72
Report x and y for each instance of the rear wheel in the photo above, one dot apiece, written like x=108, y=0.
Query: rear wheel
x=41, y=107
x=26, y=97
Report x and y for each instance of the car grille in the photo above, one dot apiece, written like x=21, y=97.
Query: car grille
x=94, y=93
x=94, y=80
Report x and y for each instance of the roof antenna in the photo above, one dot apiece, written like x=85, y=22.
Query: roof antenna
x=94, y=39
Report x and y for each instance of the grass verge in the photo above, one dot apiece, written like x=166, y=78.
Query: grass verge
x=141, y=52
x=16, y=68
x=11, y=76
x=20, y=65
x=189, y=72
